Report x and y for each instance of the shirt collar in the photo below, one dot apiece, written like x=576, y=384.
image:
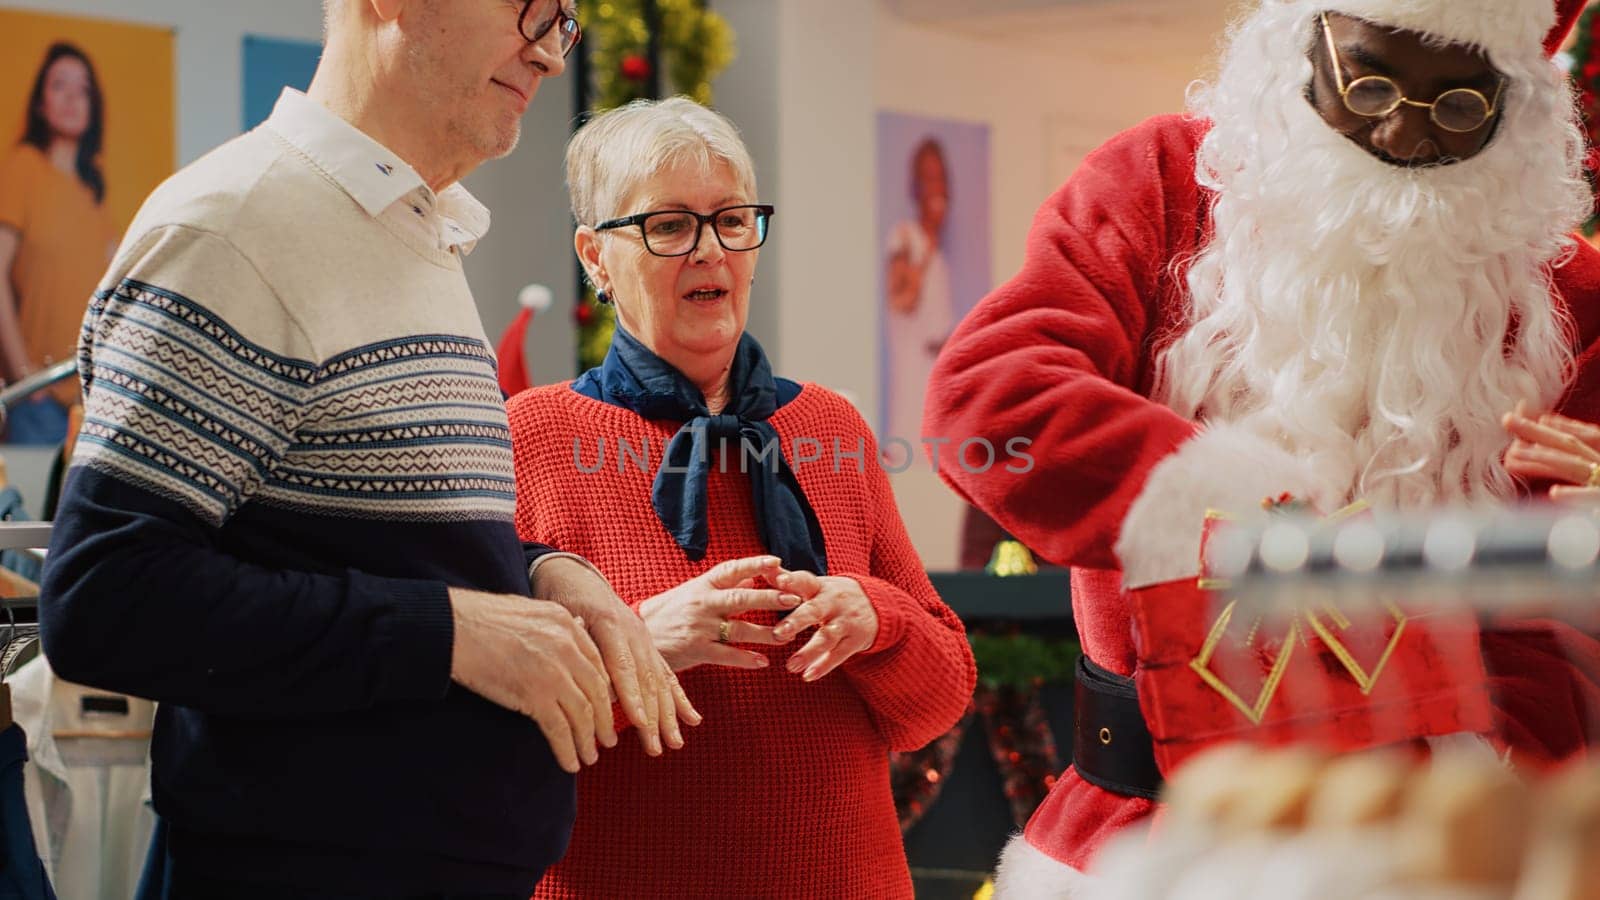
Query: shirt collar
x=374, y=176
x=462, y=211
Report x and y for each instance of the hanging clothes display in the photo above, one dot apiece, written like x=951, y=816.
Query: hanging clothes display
x=19, y=560
x=22, y=876
x=88, y=788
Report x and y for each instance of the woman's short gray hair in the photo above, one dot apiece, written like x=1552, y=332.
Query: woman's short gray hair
x=617, y=149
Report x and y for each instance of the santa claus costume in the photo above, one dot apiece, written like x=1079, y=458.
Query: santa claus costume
x=1241, y=303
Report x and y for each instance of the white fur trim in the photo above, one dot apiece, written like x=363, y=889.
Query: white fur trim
x=1226, y=468
x=1466, y=744
x=1027, y=873
x=536, y=297
x=1503, y=27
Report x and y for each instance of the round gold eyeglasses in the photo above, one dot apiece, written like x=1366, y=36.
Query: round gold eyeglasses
x=1458, y=110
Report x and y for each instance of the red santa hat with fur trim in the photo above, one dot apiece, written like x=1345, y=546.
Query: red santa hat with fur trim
x=1502, y=27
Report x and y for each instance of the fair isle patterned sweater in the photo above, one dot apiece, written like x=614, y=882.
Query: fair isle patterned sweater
x=294, y=442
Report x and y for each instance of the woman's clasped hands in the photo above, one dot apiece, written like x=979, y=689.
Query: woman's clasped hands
x=698, y=622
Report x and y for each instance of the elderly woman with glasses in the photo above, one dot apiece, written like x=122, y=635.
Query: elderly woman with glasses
x=747, y=520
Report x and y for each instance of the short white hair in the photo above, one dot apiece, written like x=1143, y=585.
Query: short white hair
x=614, y=151
x=331, y=11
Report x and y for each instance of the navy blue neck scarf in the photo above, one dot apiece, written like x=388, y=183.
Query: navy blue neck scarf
x=636, y=379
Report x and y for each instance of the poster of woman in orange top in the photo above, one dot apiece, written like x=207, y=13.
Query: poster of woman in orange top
x=86, y=131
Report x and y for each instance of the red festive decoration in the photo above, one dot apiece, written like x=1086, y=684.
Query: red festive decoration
x=916, y=777
x=1022, y=746
x=513, y=366
x=635, y=67
x=1008, y=709
x=584, y=313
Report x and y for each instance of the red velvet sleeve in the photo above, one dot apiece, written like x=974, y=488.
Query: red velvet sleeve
x=917, y=677
x=1059, y=355
x=1577, y=283
x=1545, y=675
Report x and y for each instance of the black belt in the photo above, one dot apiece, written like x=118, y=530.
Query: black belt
x=1111, y=747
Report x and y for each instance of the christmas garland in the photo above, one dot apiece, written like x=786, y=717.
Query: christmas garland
x=1586, y=75
x=1012, y=670
x=1021, y=662
x=695, y=46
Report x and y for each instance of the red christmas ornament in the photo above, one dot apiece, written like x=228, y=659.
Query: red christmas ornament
x=584, y=314
x=635, y=67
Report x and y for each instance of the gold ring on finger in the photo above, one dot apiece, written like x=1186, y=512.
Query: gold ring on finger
x=724, y=631
x=1594, y=475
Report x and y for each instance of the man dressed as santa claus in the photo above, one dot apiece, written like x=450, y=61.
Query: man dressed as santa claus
x=1328, y=282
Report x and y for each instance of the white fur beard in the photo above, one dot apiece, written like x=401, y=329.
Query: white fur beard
x=1361, y=313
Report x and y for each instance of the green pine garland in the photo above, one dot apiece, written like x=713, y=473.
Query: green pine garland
x=1022, y=661
x=1586, y=76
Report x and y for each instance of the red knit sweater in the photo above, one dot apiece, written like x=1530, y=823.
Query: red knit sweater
x=783, y=790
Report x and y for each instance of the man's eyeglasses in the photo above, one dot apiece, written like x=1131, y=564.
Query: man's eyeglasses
x=1373, y=96
x=676, y=232
x=539, y=16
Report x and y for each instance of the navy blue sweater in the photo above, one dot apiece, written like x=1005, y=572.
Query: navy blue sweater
x=308, y=731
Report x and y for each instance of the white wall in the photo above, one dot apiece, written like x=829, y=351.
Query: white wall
x=747, y=93
x=837, y=63
x=1046, y=108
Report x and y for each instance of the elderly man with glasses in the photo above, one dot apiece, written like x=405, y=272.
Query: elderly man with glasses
x=1325, y=284
x=290, y=513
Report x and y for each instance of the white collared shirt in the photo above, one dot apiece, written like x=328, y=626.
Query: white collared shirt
x=376, y=178
x=88, y=798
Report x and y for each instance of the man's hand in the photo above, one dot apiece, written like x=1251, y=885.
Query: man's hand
x=693, y=623
x=847, y=622
x=534, y=658
x=644, y=683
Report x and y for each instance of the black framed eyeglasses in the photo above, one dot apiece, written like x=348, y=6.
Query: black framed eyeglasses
x=676, y=232
x=1460, y=110
x=539, y=16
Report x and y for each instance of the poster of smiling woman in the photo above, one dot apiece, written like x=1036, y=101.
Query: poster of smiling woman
x=87, y=130
x=933, y=223
x=933, y=250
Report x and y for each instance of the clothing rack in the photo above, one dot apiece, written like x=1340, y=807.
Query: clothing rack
x=13, y=394
x=1542, y=558
x=19, y=627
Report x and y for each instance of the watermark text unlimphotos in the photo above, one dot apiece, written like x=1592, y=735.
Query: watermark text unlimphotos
x=973, y=454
